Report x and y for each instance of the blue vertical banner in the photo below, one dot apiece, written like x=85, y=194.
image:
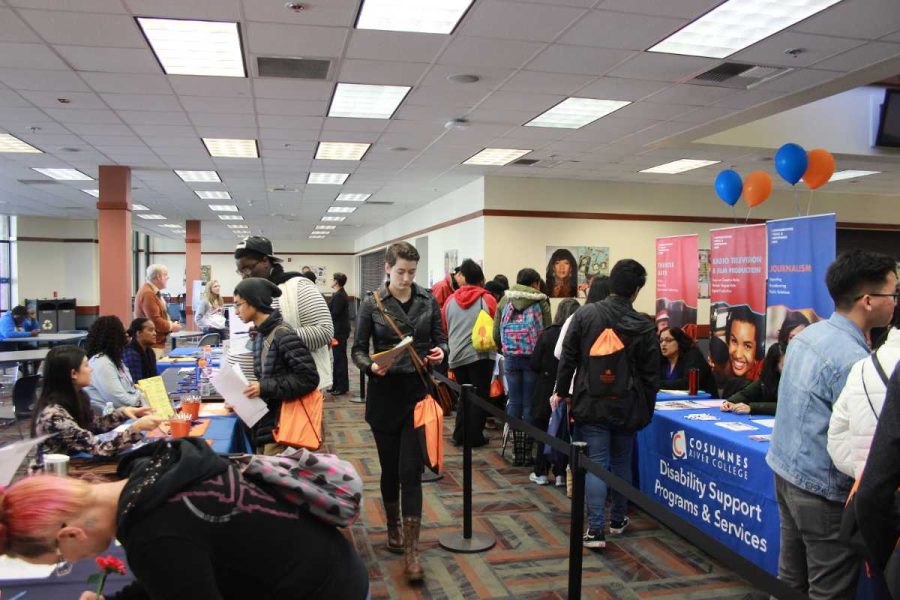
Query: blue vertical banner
x=800, y=251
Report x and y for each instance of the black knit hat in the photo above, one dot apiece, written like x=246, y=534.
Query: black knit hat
x=258, y=293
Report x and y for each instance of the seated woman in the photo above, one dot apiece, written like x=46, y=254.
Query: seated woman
x=111, y=381
x=138, y=356
x=191, y=527
x=679, y=356
x=760, y=396
x=65, y=410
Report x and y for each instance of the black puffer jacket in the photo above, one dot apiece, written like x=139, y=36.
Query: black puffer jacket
x=288, y=372
x=637, y=333
x=423, y=322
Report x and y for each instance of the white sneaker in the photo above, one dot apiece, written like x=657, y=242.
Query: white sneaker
x=560, y=481
x=539, y=479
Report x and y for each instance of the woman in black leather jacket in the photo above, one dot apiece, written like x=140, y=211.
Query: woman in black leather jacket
x=394, y=391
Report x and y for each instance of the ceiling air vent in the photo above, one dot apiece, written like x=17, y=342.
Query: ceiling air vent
x=37, y=182
x=525, y=162
x=380, y=202
x=293, y=68
x=737, y=75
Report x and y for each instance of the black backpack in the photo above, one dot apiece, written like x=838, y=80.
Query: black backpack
x=609, y=366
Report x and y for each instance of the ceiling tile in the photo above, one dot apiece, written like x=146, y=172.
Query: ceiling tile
x=141, y=117
x=223, y=120
x=221, y=87
x=164, y=130
x=864, y=19
x=518, y=21
x=608, y=29
x=524, y=102
x=12, y=29
x=66, y=116
x=861, y=57
x=394, y=46
x=684, y=9
x=209, y=10
x=663, y=67
x=584, y=60
x=109, y=60
x=120, y=83
x=289, y=123
x=381, y=72
x=82, y=29
x=771, y=51
x=9, y=98
x=355, y=125
x=340, y=13
x=460, y=97
x=707, y=114
x=798, y=80
x=142, y=102
x=292, y=108
x=650, y=110
x=272, y=39
x=748, y=98
x=53, y=81
x=491, y=53
x=77, y=100
x=201, y=104
x=99, y=129
x=694, y=95
x=282, y=89
x=29, y=56
x=615, y=88
x=548, y=83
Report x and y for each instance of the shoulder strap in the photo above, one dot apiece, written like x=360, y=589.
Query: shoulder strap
x=267, y=343
x=414, y=357
x=880, y=369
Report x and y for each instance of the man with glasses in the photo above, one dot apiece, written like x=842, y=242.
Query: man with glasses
x=810, y=491
x=301, y=304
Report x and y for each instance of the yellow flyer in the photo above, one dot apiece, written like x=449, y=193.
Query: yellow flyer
x=155, y=391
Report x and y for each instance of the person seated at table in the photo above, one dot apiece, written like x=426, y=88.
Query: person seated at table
x=760, y=396
x=191, y=527
x=64, y=411
x=16, y=324
x=679, y=356
x=283, y=365
x=111, y=381
x=138, y=356
x=210, y=313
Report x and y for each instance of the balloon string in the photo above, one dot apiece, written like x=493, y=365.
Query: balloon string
x=809, y=203
x=734, y=213
x=747, y=220
x=797, y=200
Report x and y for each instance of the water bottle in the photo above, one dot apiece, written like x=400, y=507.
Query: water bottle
x=207, y=359
x=108, y=409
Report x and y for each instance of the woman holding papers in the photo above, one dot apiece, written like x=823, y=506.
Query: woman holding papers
x=111, y=381
x=394, y=389
x=65, y=410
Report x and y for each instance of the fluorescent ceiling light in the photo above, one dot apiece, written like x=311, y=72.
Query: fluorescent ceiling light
x=139, y=207
x=737, y=24
x=317, y=237
x=352, y=197
x=341, y=209
x=341, y=151
x=231, y=148
x=153, y=217
x=573, y=113
x=171, y=225
x=191, y=176
x=10, y=143
x=496, y=156
x=366, y=101
x=326, y=227
x=185, y=47
x=63, y=174
x=231, y=217
x=851, y=174
x=94, y=193
x=223, y=207
x=431, y=16
x=237, y=226
x=333, y=219
x=328, y=178
x=680, y=166
x=211, y=195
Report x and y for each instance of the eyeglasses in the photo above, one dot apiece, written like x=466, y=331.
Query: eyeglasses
x=895, y=296
x=666, y=340
x=238, y=305
x=247, y=269
x=63, y=567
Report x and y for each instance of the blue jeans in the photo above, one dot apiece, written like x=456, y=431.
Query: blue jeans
x=612, y=449
x=519, y=392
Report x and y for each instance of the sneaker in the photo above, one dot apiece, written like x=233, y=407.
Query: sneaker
x=617, y=527
x=593, y=539
x=539, y=479
x=560, y=481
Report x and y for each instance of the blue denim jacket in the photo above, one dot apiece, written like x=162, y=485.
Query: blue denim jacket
x=815, y=370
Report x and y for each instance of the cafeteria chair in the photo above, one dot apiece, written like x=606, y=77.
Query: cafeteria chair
x=210, y=339
x=24, y=397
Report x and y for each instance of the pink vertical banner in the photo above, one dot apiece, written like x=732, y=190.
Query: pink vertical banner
x=677, y=274
x=737, y=299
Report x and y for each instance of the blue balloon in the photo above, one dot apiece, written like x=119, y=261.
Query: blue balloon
x=791, y=162
x=729, y=186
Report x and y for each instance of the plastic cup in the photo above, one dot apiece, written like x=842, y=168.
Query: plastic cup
x=180, y=427
x=191, y=406
x=56, y=464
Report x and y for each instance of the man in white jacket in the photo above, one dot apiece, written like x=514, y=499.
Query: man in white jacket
x=857, y=409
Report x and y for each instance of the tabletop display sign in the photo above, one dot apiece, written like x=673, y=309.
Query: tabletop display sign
x=737, y=301
x=155, y=391
x=800, y=251
x=677, y=278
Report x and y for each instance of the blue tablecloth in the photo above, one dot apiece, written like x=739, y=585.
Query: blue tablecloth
x=163, y=364
x=228, y=435
x=701, y=395
x=714, y=478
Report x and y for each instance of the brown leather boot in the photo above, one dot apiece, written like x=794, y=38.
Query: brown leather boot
x=413, y=570
x=394, y=528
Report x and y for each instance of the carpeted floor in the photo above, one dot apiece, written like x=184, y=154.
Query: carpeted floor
x=531, y=525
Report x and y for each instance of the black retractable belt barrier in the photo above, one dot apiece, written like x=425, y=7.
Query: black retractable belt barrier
x=746, y=569
x=362, y=389
x=577, y=522
x=468, y=541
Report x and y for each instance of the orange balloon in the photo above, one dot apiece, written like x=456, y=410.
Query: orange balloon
x=820, y=169
x=757, y=188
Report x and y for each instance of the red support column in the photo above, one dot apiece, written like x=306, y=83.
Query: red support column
x=191, y=267
x=115, y=236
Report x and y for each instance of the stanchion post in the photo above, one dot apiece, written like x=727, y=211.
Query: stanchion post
x=468, y=541
x=576, y=528
x=362, y=389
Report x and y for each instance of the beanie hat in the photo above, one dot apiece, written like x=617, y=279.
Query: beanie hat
x=258, y=293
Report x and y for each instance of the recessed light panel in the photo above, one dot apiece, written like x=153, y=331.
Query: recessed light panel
x=139, y=207
x=352, y=197
x=341, y=151
x=496, y=156
x=237, y=226
x=171, y=226
x=231, y=148
x=223, y=207
x=231, y=217
x=327, y=178
x=63, y=174
x=680, y=166
x=192, y=176
x=424, y=16
x=10, y=143
x=341, y=209
x=327, y=219
x=737, y=24
x=153, y=217
x=213, y=195
x=851, y=174
x=366, y=101
x=326, y=227
x=94, y=193
x=317, y=237
x=573, y=113
x=186, y=47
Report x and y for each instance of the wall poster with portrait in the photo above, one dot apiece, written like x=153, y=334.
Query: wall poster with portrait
x=571, y=269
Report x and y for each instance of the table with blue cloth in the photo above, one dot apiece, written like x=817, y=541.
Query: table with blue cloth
x=228, y=435
x=182, y=362
x=713, y=477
